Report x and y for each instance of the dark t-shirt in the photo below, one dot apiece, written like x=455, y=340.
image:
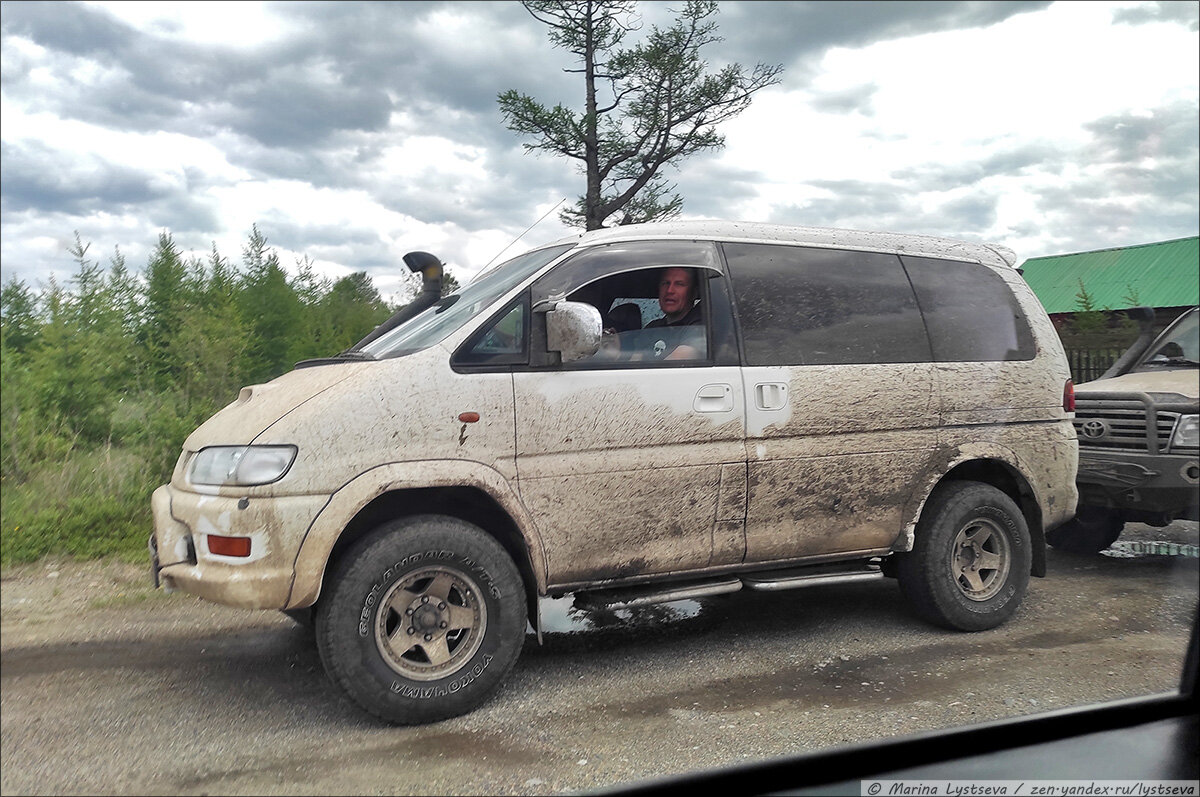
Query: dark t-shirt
x=691, y=317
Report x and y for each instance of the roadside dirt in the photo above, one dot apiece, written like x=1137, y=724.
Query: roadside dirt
x=112, y=688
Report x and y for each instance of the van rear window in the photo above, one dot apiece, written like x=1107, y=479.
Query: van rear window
x=809, y=306
x=972, y=315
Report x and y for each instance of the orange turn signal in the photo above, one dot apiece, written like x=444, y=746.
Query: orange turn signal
x=228, y=546
x=468, y=417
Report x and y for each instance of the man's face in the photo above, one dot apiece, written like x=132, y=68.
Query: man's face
x=675, y=292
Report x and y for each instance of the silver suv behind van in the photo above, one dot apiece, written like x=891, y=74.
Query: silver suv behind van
x=636, y=415
x=1139, y=436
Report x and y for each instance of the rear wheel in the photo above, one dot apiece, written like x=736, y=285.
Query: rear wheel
x=422, y=620
x=969, y=567
x=1092, y=530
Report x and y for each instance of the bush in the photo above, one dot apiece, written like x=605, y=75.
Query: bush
x=86, y=528
x=105, y=378
x=87, y=505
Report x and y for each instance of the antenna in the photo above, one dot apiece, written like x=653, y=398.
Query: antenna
x=522, y=235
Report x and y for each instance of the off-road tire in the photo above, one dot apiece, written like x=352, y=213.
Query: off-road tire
x=422, y=620
x=970, y=563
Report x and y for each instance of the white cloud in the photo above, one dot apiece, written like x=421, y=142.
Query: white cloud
x=353, y=133
x=962, y=97
x=233, y=23
x=166, y=156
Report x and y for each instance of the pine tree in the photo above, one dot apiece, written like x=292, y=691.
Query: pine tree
x=271, y=311
x=164, y=310
x=644, y=108
x=1088, y=318
x=18, y=316
x=350, y=309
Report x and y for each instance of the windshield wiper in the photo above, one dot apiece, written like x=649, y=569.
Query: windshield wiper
x=350, y=355
x=1171, y=361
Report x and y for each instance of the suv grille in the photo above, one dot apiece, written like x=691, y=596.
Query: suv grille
x=1107, y=423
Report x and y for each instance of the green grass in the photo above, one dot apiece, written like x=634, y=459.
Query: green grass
x=84, y=505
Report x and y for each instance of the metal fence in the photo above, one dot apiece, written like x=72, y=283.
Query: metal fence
x=1088, y=364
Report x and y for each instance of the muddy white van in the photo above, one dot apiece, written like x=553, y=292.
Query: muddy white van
x=636, y=415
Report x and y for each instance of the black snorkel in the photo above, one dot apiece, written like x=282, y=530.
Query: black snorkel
x=431, y=270
x=1145, y=318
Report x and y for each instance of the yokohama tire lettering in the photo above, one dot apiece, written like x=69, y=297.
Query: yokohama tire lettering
x=486, y=577
x=364, y=616
x=456, y=685
x=1001, y=600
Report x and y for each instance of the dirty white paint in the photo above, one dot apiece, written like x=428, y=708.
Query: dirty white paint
x=398, y=476
x=1184, y=382
x=868, y=241
x=573, y=330
x=615, y=475
x=623, y=473
x=258, y=406
x=259, y=581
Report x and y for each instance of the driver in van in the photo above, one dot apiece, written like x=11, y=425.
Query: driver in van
x=677, y=299
x=677, y=294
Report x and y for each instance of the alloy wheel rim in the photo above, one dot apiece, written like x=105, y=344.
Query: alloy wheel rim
x=980, y=559
x=430, y=623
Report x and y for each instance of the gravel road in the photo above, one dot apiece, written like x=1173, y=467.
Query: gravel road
x=112, y=688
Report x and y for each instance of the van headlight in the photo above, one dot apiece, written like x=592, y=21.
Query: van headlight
x=240, y=465
x=1187, y=432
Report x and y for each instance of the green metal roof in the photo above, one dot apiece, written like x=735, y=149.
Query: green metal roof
x=1164, y=274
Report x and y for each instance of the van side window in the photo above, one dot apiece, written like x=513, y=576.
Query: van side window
x=809, y=306
x=622, y=282
x=503, y=341
x=636, y=333
x=971, y=313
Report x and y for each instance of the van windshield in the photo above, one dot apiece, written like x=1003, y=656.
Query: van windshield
x=450, y=312
x=1179, y=345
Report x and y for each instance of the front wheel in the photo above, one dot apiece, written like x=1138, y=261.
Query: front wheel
x=970, y=563
x=422, y=620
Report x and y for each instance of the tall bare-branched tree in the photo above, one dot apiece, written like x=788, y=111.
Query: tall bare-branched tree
x=645, y=107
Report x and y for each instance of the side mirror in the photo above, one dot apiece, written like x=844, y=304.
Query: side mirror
x=573, y=330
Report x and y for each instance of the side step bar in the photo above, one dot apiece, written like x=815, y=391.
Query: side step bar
x=626, y=598
x=769, y=581
x=791, y=579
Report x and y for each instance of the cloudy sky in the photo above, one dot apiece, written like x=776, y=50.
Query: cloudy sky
x=352, y=133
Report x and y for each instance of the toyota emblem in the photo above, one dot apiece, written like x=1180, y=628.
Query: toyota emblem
x=1094, y=429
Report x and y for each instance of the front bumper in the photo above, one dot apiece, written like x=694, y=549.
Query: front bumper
x=1153, y=483
x=181, y=559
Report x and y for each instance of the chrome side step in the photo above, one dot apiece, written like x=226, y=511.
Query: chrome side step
x=767, y=581
x=626, y=598
x=771, y=582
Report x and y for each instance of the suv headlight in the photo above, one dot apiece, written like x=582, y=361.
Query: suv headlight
x=1187, y=432
x=240, y=465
